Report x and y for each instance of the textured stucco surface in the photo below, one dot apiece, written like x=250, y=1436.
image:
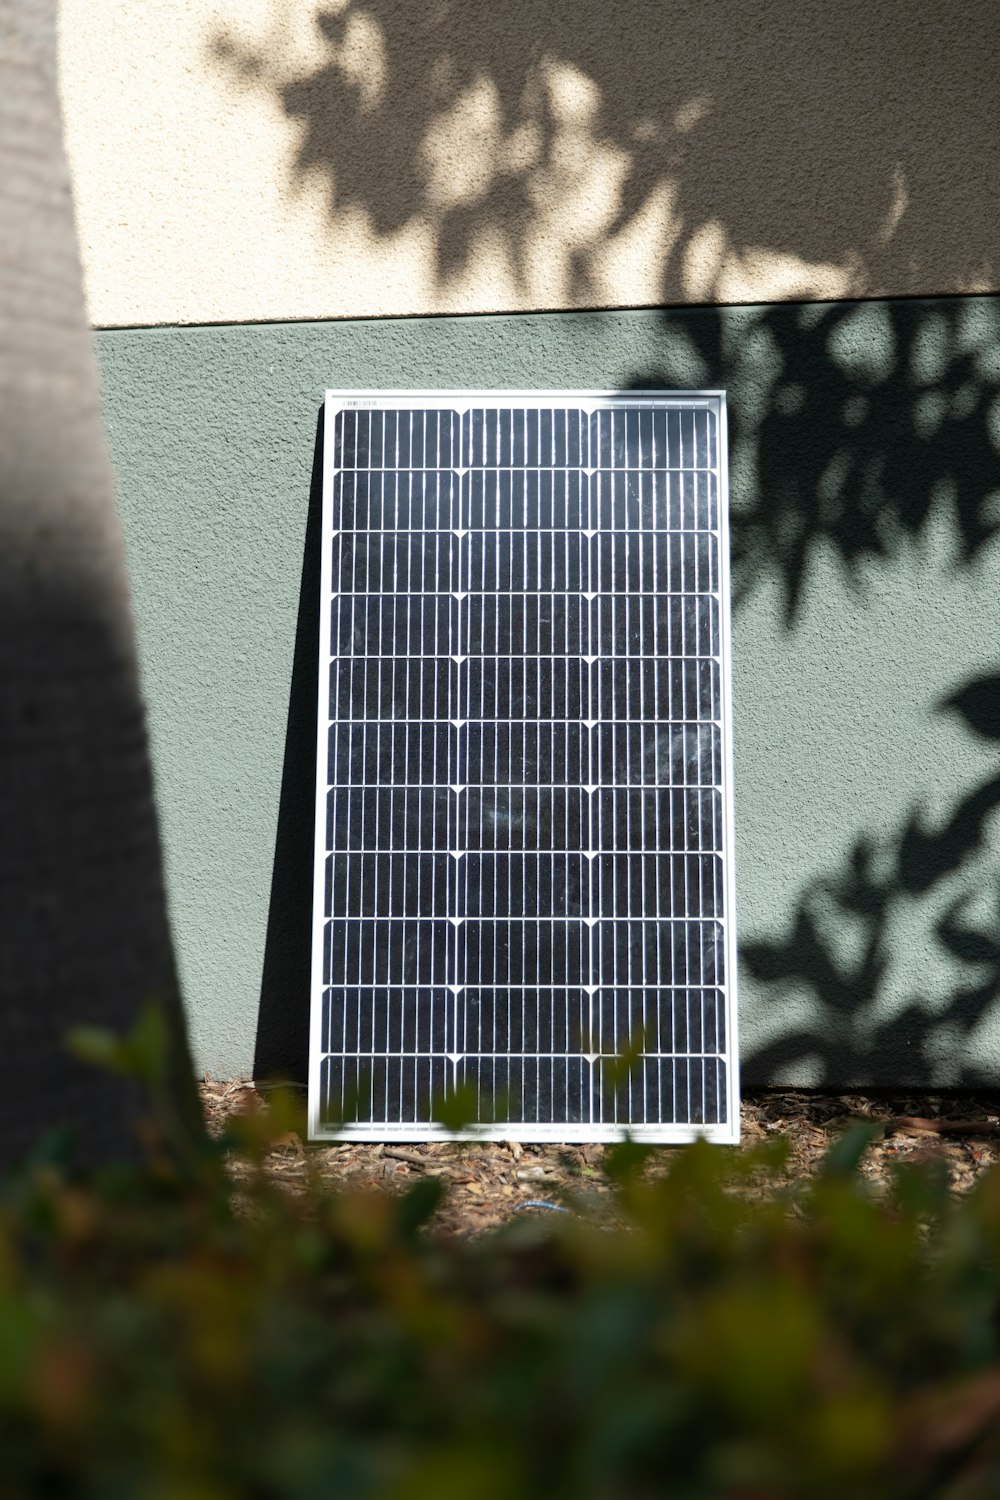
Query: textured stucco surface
x=866, y=497
x=262, y=161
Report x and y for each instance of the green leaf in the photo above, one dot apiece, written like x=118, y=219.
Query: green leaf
x=100, y=1047
x=845, y=1155
x=419, y=1205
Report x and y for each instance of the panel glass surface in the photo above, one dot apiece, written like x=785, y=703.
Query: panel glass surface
x=523, y=885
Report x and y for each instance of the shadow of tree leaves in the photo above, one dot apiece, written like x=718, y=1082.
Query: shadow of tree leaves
x=853, y=428
x=912, y=1045
x=740, y=131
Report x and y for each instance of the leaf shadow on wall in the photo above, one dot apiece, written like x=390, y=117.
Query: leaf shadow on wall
x=930, y=1039
x=855, y=431
x=580, y=153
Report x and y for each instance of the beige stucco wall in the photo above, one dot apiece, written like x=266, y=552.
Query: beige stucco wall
x=269, y=159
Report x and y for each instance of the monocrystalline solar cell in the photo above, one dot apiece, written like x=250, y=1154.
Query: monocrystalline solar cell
x=524, y=854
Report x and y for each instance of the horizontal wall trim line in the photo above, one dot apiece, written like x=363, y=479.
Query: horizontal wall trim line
x=524, y=314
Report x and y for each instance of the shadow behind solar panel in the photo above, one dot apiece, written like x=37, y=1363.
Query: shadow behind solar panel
x=524, y=850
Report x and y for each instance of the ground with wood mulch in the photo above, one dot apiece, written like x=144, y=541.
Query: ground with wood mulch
x=491, y=1182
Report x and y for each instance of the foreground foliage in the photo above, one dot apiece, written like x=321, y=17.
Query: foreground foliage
x=725, y=1341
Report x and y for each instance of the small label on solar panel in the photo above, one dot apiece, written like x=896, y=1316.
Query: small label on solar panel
x=523, y=897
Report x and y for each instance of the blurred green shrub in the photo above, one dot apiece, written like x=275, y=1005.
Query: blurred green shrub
x=725, y=1343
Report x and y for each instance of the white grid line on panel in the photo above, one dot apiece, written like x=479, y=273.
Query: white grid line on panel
x=552, y=656
x=415, y=917
x=589, y=594
x=588, y=1060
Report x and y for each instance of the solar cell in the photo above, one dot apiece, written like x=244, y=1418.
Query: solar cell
x=524, y=878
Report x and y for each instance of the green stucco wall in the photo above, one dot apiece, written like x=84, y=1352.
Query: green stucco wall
x=866, y=504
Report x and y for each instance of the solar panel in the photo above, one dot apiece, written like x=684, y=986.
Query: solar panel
x=523, y=874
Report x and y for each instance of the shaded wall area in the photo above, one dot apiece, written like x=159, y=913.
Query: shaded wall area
x=865, y=470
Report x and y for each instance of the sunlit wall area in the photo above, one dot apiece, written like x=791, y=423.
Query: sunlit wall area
x=793, y=202
x=275, y=160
